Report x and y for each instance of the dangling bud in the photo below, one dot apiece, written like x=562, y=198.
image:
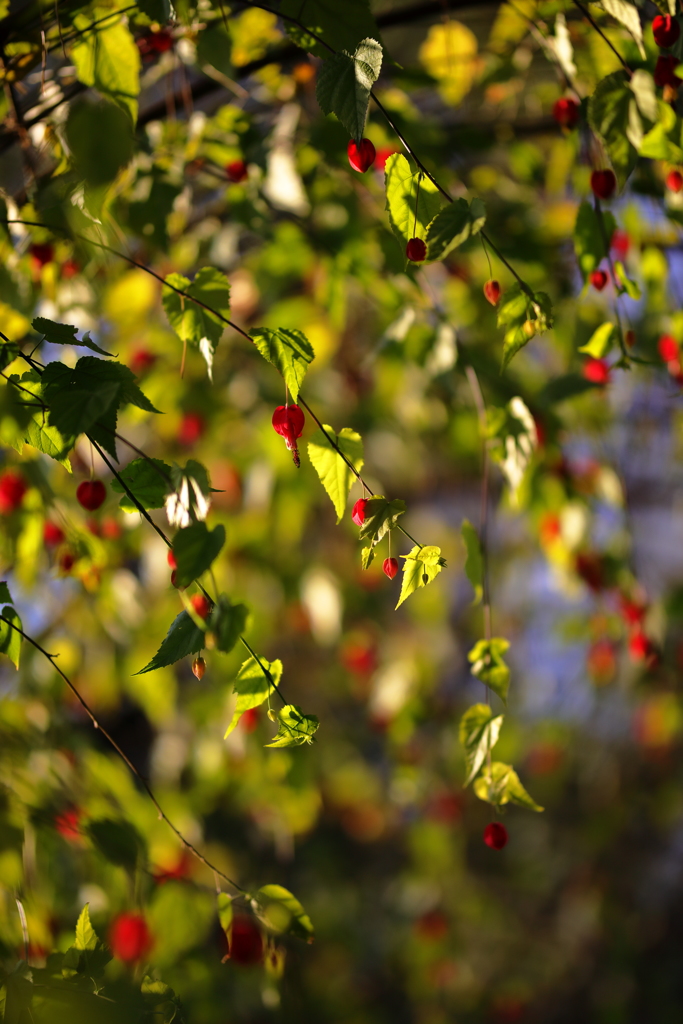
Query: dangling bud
x=288, y=421
x=198, y=667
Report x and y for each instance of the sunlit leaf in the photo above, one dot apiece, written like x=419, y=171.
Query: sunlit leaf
x=256, y=680
x=64, y=334
x=86, y=937
x=345, y=82
x=451, y=227
x=488, y=665
x=289, y=351
x=335, y=475
x=500, y=785
x=295, y=729
x=478, y=731
x=402, y=199
x=420, y=567
x=10, y=639
x=282, y=912
x=148, y=479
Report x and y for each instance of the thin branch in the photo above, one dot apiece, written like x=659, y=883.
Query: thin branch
x=141, y=509
x=480, y=405
x=587, y=14
x=110, y=739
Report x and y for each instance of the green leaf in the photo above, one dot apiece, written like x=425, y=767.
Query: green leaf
x=256, y=680
x=195, y=549
x=182, y=639
x=523, y=316
x=381, y=515
x=108, y=59
x=10, y=640
x=342, y=26
x=289, y=351
x=36, y=431
x=202, y=328
x=5, y=594
x=589, y=242
x=345, y=82
x=227, y=621
x=85, y=399
x=451, y=227
x=118, y=841
x=474, y=562
x=665, y=140
x=500, y=785
x=367, y=556
x=627, y=15
x=100, y=139
x=401, y=189
x=225, y=911
x=335, y=475
x=156, y=10
x=478, y=732
x=627, y=285
x=64, y=334
x=281, y=912
x=295, y=727
x=487, y=664
x=86, y=937
x=150, y=485
x=421, y=566
x=600, y=341
x=613, y=116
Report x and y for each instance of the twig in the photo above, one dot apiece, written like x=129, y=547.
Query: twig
x=586, y=13
x=110, y=739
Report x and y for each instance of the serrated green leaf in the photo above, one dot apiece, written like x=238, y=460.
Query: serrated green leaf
x=10, y=639
x=108, y=59
x=401, y=193
x=226, y=622
x=225, y=911
x=613, y=115
x=344, y=84
x=523, y=316
x=335, y=475
x=281, y=912
x=86, y=398
x=500, y=785
x=589, y=242
x=295, y=727
x=474, y=561
x=194, y=324
x=478, y=732
x=195, y=549
x=665, y=140
x=454, y=224
x=420, y=567
x=148, y=479
x=256, y=680
x=366, y=557
x=342, y=26
x=600, y=342
x=488, y=665
x=86, y=937
x=64, y=334
x=381, y=515
x=289, y=351
x=182, y=639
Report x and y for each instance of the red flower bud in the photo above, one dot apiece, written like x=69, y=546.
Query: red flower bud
x=668, y=348
x=603, y=183
x=13, y=487
x=91, y=494
x=598, y=279
x=416, y=250
x=492, y=291
x=201, y=605
x=666, y=30
x=566, y=112
x=596, y=371
x=496, y=835
x=390, y=567
x=358, y=513
x=52, y=534
x=288, y=421
x=129, y=937
x=236, y=171
x=362, y=156
x=246, y=941
x=674, y=181
x=665, y=71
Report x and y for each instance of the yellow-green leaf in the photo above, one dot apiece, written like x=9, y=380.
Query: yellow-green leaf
x=420, y=567
x=335, y=475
